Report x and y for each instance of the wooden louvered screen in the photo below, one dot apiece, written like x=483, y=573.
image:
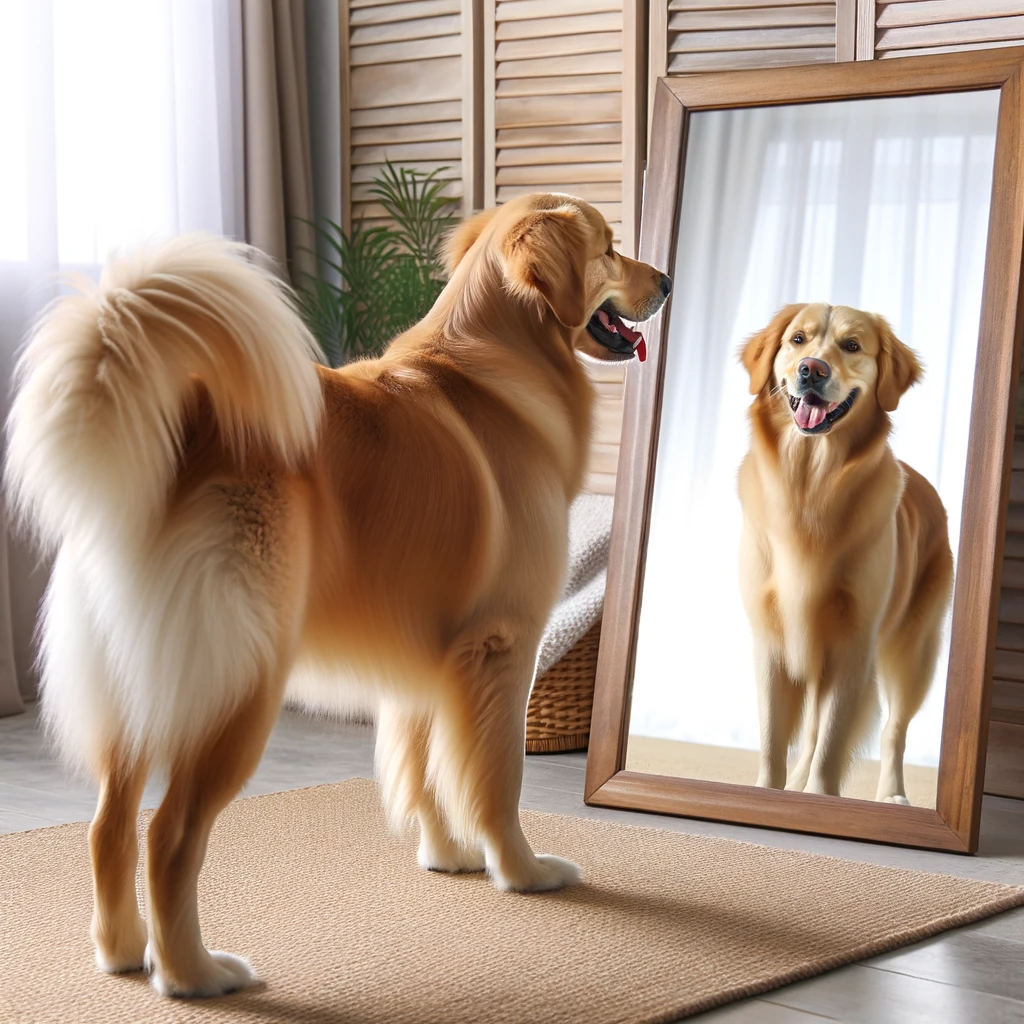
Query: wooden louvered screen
x=411, y=95
x=905, y=27
x=1005, y=770
x=561, y=95
x=604, y=448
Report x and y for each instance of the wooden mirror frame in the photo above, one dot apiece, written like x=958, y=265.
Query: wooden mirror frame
x=954, y=823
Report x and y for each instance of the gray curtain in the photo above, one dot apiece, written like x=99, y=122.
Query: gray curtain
x=278, y=162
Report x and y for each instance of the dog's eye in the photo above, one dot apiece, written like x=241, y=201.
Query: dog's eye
x=798, y=338
x=850, y=345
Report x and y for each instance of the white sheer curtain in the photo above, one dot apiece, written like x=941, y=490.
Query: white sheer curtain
x=120, y=121
x=878, y=204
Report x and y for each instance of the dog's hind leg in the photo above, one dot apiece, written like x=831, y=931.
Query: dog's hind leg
x=117, y=928
x=477, y=745
x=201, y=785
x=402, y=749
x=906, y=665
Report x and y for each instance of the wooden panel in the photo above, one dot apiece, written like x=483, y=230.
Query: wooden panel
x=520, y=10
x=534, y=111
x=560, y=86
x=569, y=134
x=736, y=60
x=753, y=39
x=1009, y=665
x=607, y=378
x=410, y=113
x=383, y=85
x=448, y=169
x=722, y=5
x=581, y=64
x=1004, y=767
x=931, y=12
x=361, y=191
x=400, y=31
x=386, y=135
x=983, y=30
x=606, y=21
x=920, y=27
x=406, y=53
x=558, y=174
x=448, y=150
x=560, y=46
x=402, y=12
x=524, y=155
x=592, y=192
x=752, y=18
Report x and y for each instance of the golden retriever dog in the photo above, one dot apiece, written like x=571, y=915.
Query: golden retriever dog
x=232, y=521
x=846, y=571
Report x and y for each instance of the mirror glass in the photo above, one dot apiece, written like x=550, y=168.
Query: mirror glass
x=798, y=636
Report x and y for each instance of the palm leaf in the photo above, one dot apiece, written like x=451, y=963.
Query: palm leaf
x=389, y=276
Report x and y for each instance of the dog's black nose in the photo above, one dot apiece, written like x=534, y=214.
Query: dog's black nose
x=666, y=286
x=813, y=371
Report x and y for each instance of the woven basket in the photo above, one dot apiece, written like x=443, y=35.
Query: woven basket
x=558, y=715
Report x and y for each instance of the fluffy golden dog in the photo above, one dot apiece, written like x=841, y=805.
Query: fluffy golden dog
x=845, y=565
x=231, y=521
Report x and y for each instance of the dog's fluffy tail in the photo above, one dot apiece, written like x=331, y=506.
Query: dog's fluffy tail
x=95, y=430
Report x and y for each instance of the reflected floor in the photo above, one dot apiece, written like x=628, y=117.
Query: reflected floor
x=683, y=760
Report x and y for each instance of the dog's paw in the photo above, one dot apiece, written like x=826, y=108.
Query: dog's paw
x=449, y=857
x=895, y=798
x=545, y=874
x=217, y=974
x=127, y=954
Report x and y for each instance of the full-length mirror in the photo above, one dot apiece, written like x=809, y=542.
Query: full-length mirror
x=804, y=577
x=778, y=619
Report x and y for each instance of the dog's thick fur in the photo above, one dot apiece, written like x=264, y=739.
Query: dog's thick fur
x=845, y=564
x=230, y=520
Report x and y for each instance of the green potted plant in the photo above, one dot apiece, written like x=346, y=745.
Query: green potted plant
x=386, y=277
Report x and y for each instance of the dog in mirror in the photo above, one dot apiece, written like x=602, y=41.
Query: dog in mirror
x=846, y=569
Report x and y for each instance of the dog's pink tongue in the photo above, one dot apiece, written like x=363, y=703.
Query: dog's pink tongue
x=635, y=338
x=808, y=416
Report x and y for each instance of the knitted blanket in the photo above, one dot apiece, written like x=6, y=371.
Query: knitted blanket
x=590, y=527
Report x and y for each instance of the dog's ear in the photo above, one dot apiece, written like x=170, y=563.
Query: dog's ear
x=898, y=367
x=546, y=255
x=758, y=354
x=461, y=240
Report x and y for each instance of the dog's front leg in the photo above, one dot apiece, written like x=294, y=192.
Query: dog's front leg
x=778, y=704
x=846, y=701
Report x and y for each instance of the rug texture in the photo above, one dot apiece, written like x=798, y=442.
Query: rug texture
x=342, y=926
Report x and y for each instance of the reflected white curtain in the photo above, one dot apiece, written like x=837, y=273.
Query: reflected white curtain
x=881, y=205
x=120, y=122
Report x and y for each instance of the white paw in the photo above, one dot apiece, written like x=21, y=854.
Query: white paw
x=450, y=858
x=217, y=974
x=127, y=955
x=118, y=964
x=896, y=798
x=545, y=874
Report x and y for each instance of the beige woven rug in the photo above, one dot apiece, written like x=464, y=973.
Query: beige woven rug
x=343, y=928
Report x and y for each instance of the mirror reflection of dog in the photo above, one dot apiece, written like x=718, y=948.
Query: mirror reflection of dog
x=846, y=570
x=224, y=510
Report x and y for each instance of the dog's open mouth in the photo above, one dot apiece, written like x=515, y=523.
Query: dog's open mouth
x=813, y=415
x=607, y=329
